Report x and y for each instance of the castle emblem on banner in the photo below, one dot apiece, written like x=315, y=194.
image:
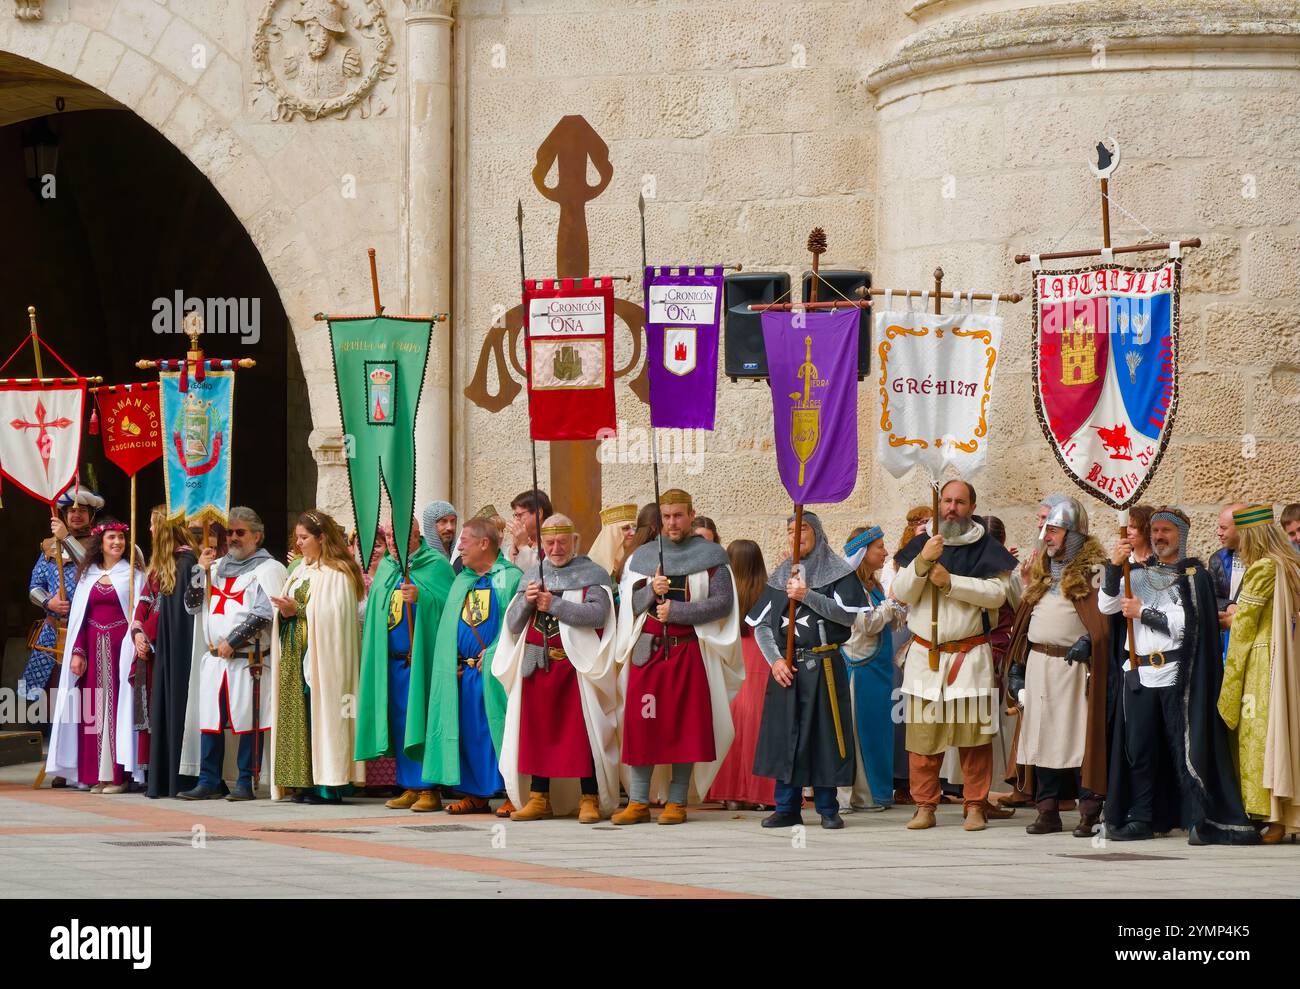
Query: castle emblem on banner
x=1105, y=355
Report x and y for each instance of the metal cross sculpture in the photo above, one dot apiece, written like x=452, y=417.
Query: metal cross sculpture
x=575, y=471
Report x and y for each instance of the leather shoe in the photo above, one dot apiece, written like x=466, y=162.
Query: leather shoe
x=780, y=820
x=1087, y=825
x=240, y=791
x=832, y=822
x=922, y=819
x=403, y=802
x=1132, y=831
x=1047, y=822
x=199, y=792
x=975, y=820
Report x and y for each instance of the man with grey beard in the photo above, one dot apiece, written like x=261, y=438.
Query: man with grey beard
x=949, y=683
x=234, y=633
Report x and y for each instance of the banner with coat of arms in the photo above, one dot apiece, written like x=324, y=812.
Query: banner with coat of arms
x=936, y=382
x=812, y=363
x=379, y=365
x=681, y=331
x=1105, y=372
x=197, y=436
x=569, y=338
x=40, y=435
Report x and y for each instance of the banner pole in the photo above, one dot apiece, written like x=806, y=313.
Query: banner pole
x=374, y=281
x=528, y=391
x=654, y=434
x=934, y=505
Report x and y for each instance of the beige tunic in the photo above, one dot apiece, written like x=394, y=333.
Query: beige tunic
x=1056, y=693
x=964, y=712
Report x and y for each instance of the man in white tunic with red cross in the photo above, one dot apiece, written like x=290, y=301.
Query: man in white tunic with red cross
x=232, y=640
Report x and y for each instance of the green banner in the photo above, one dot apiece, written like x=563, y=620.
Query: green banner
x=379, y=365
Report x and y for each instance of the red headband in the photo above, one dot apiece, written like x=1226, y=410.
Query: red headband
x=110, y=527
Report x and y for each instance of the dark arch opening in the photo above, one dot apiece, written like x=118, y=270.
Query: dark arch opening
x=131, y=221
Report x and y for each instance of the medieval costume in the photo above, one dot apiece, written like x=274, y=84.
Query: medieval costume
x=806, y=738
x=315, y=657
x=233, y=605
x=92, y=738
x=1259, y=699
x=169, y=630
x=610, y=548
x=869, y=657
x=1227, y=570
x=45, y=584
x=735, y=780
x=398, y=640
x=466, y=708
x=558, y=670
x=677, y=679
x=1170, y=765
x=956, y=704
x=1059, y=661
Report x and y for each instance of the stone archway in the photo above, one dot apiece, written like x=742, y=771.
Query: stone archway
x=125, y=221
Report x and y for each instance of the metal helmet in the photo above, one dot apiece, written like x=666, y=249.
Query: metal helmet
x=1066, y=514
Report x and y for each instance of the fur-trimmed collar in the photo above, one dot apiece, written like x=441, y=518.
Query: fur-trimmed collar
x=1076, y=581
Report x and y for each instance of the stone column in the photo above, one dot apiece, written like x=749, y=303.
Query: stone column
x=988, y=117
x=426, y=229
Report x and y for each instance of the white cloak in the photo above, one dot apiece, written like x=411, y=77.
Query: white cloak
x=724, y=664
x=592, y=657
x=205, y=681
x=62, y=758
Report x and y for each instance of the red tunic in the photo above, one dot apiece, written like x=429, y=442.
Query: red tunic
x=668, y=715
x=552, y=732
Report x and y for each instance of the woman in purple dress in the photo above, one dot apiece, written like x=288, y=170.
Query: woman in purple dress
x=93, y=738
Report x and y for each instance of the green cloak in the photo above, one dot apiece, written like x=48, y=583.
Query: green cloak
x=432, y=575
x=442, y=736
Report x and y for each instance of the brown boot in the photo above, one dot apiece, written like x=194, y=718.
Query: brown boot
x=403, y=802
x=538, y=808
x=672, y=814
x=633, y=813
x=1272, y=834
x=589, y=809
x=1048, y=820
x=429, y=801
x=922, y=819
x=975, y=819
x=1089, y=817
x=995, y=812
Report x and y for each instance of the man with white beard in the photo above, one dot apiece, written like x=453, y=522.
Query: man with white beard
x=949, y=683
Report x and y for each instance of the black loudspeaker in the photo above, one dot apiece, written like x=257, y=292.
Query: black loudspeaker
x=745, y=355
x=836, y=284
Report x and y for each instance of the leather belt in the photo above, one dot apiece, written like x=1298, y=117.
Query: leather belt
x=556, y=654
x=956, y=645
x=673, y=640
x=1158, y=659
x=1057, y=651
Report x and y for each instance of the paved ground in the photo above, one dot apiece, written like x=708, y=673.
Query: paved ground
x=68, y=844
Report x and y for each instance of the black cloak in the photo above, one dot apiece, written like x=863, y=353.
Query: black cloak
x=1203, y=791
x=171, y=686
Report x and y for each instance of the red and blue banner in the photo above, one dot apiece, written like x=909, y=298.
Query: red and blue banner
x=1105, y=356
x=681, y=332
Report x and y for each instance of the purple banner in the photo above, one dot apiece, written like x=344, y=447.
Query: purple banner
x=812, y=363
x=681, y=332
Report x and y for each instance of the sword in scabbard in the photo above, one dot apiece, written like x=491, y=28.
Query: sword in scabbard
x=255, y=671
x=829, y=669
